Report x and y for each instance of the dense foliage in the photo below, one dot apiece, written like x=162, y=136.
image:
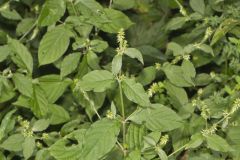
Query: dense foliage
x=119, y=79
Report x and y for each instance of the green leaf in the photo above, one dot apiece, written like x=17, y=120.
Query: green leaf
x=24, y=26
x=89, y=7
x=234, y=140
x=53, y=86
x=157, y=118
x=134, y=155
x=7, y=95
x=53, y=45
x=188, y=69
x=96, y=97
x=39, y=103
x=13, y=143
x=70, y=63
x=162, y=155
x=42, y=154
x=96, y=143
x=217, y=143
x=98, y=45
x=93, y=60
x=135, y=92
x=124, y=5
x=147, y=75
x=97, y=80
x=58, y=114
x=134, y=137
x=40, y=125
x=2, y=156
x=196, y=141
x=176, y=23
x=23, y=84
x=28, y=147
x=227, y=25
x=5, y=123
x=178, y=96
x=10, y=14
x=51, y=12
x=116, y=21
x=64, y=150
x=4, y=52
x=134, y=53
x=22, y=101
x=116, y=64
x=206, y=48
x=175, y=48
x=21, y=56
x=175, y=74
x=106, y=19
x=198, y=6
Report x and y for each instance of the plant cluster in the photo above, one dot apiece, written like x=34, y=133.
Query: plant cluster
x=119, y=79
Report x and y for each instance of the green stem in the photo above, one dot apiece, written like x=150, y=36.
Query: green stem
x=110, y=4
x=28, y=31
x=91, y=103
x=123, y=114
x=179, y=149
x=74, y=10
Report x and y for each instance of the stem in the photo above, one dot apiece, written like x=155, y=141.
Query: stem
x=131, y=115
x=74, y=10
x=110, y=4
x=179, y=149
x=123, y=114
x=91, y=103
x=28, y=31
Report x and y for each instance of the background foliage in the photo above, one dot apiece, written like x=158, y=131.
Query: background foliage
x=119, y=79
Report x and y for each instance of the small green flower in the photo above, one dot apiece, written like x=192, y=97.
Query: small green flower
x=45, y=136
x=186, y=57
x=158, y=66
x=110, y=115
x=164, y=139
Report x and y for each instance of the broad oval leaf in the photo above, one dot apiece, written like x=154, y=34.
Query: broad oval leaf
x=21, y=56
x=4, y=52
x=97, y=144
x=176, y=23
x=157, y=118
x=13, y=143
x=58, y=114
x=198, y=6
x=147, y=75
x=116, y=21
x=217, y=143
x=61, y=151
x=53, y=86
x=40, y=125
x=51, y=12
x=135, y=92
x=28, y=147
x=134, y=53
x=39, y=103
x=134, y=136
x=70, y=63
x=23, y=84
x=116, y=64
x=176, y=75
x=97, y=80
x=53, y=45
x=5, y=122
